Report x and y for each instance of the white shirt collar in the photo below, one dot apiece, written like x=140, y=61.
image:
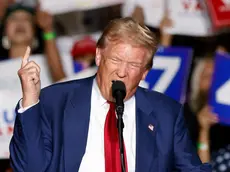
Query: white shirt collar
x=101, y=100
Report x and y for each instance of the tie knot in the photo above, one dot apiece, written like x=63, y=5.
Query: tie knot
x=111, y=104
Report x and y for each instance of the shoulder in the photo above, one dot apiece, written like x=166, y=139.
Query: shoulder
x=67, y=85
x=159, y=98
x=160, y=102
x=60, y=90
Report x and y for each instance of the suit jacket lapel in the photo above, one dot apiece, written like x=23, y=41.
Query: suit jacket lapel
x=76, y=124
x=146, y=127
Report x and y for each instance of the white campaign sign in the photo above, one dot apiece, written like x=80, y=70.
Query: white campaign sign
x=189, y=17
x=153, y=10
x=63, y=6
x=9, y=68
x=10, y=93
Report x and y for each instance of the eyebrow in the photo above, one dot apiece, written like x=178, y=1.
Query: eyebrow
x=133, y=62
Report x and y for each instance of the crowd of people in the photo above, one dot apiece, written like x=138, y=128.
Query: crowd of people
x=22, y=26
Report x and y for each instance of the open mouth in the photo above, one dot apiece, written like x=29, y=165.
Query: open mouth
x=20, y=30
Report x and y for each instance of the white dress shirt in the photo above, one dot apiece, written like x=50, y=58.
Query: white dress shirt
x=93, y=159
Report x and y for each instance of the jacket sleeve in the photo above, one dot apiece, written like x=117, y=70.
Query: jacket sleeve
x=186, y=157
x=31, y=144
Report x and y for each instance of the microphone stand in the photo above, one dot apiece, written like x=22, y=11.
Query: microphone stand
x=120, y=126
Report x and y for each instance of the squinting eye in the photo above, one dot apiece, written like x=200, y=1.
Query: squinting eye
x=135, y=65
x=115, y=60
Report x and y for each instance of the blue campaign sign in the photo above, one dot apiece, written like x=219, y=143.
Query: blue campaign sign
x=220, y=88
x=77, y=67
x=170, y=71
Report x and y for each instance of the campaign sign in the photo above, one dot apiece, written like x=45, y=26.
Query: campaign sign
x=220, y=12
x=154, y=10
x=10, y=94
x=189, y=17
x=77, y=67
x=220, y=88
x=60, y=7
x=170, y=71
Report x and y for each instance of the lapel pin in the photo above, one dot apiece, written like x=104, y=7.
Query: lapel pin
x=151, y=127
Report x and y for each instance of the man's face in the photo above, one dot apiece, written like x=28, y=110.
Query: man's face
x=122, y=62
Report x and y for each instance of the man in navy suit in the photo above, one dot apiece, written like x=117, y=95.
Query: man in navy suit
x=65, y=126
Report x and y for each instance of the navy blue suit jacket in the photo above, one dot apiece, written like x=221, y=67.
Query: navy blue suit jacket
x=52, y=135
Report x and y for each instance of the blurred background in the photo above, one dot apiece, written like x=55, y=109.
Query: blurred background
x=192, y=64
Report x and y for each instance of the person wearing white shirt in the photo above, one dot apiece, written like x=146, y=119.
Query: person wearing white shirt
x=71, y=126
x=152, y=13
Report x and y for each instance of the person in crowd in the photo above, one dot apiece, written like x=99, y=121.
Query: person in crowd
x=222, y=41
x=142, y=13
x=71, y=126
x=83, y=53
x=5, y=165
x=24, y=26
x=207, y=134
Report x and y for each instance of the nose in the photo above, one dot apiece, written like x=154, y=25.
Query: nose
x=122, y=70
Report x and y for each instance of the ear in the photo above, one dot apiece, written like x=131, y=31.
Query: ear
x=98, y=56
x=145, y=74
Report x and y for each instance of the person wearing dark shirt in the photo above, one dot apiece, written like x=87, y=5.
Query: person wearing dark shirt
x=207, y=134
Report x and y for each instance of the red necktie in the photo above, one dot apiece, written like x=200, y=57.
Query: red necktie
x=111, y=143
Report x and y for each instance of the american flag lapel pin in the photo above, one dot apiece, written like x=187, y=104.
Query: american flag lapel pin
x=151, y=127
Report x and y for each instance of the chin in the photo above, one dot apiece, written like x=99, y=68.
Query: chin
x=19, y=40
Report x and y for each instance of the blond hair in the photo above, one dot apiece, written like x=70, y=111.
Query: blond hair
x=128, y=30
x=195, y=80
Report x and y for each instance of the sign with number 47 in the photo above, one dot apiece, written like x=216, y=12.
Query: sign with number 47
x=169, y=73
x=220, y=89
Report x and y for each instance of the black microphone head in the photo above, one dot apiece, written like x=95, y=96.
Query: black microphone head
x=118, y=86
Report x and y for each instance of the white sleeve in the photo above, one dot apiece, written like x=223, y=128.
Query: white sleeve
x=21, y=109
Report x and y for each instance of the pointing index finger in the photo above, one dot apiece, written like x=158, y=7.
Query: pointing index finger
x=25, y=58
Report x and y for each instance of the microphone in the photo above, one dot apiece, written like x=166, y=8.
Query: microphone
x=119, y=93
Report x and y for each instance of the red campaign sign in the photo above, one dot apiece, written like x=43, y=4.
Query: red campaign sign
x=220, y=12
